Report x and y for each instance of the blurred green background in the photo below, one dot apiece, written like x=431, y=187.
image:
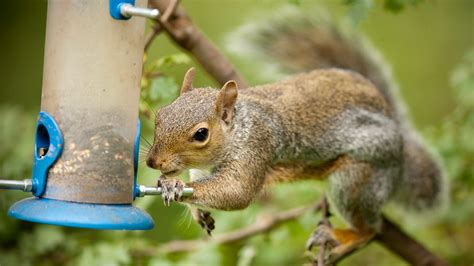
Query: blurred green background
x=427, y=45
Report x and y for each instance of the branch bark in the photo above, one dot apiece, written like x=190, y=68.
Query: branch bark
x=393, y=238
x=181, y=29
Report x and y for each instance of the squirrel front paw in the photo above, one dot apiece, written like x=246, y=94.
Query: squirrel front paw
x=171, y=189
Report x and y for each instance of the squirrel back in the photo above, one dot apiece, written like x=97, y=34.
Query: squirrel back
x=297, y=42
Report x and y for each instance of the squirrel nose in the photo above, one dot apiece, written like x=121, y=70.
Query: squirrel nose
x=155, y=164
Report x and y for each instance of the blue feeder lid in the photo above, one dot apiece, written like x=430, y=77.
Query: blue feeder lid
x=84, y=215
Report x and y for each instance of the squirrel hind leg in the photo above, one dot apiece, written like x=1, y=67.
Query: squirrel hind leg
x=358, y=191
x=339, y=241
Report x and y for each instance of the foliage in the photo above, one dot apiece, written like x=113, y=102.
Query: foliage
x=157, y=88
x=454, y=141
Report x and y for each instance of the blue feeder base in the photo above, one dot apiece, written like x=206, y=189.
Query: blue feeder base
x=84, y=215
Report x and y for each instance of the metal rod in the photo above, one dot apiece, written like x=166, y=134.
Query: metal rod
x=24, y=185
x=128, y=10
x=153, y=191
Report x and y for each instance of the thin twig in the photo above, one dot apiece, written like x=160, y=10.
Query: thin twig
x=170, y=9
x=325, y=220
x=155, y=30
x=263, y=225
x=186, y=34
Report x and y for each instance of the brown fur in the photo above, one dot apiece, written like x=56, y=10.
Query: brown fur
x=317, y=97
x=294, y=172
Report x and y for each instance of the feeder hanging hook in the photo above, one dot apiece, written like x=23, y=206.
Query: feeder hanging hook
x=125, y=9
x=128, y=10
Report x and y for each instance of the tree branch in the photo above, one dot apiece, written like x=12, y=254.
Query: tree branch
x=393, y=238
x=181, y=29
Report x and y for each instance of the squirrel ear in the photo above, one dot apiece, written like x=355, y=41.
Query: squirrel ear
x=188, y=81
x=226, y=101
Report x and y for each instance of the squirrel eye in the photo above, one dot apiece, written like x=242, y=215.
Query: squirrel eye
x=201, y=134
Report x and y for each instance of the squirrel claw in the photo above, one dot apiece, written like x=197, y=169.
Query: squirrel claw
x=204, y=219
x=321, y=235
x=338, y=242
x=171, y=189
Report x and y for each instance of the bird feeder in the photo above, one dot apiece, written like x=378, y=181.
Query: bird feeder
x=87, y=135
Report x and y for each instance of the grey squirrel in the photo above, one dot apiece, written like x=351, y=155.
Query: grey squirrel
x=337, y=120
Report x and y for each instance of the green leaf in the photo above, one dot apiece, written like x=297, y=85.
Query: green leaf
x=164, y=89
x=396, y=6
x=172, y=60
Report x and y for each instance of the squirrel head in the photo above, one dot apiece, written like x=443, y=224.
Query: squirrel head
x=191, y=131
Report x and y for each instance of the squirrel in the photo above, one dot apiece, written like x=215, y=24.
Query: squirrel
x=336, y=120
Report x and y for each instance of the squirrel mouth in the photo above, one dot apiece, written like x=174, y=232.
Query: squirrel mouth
x=171, y=173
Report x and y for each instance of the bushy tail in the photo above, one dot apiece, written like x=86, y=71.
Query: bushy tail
x=302, y=42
